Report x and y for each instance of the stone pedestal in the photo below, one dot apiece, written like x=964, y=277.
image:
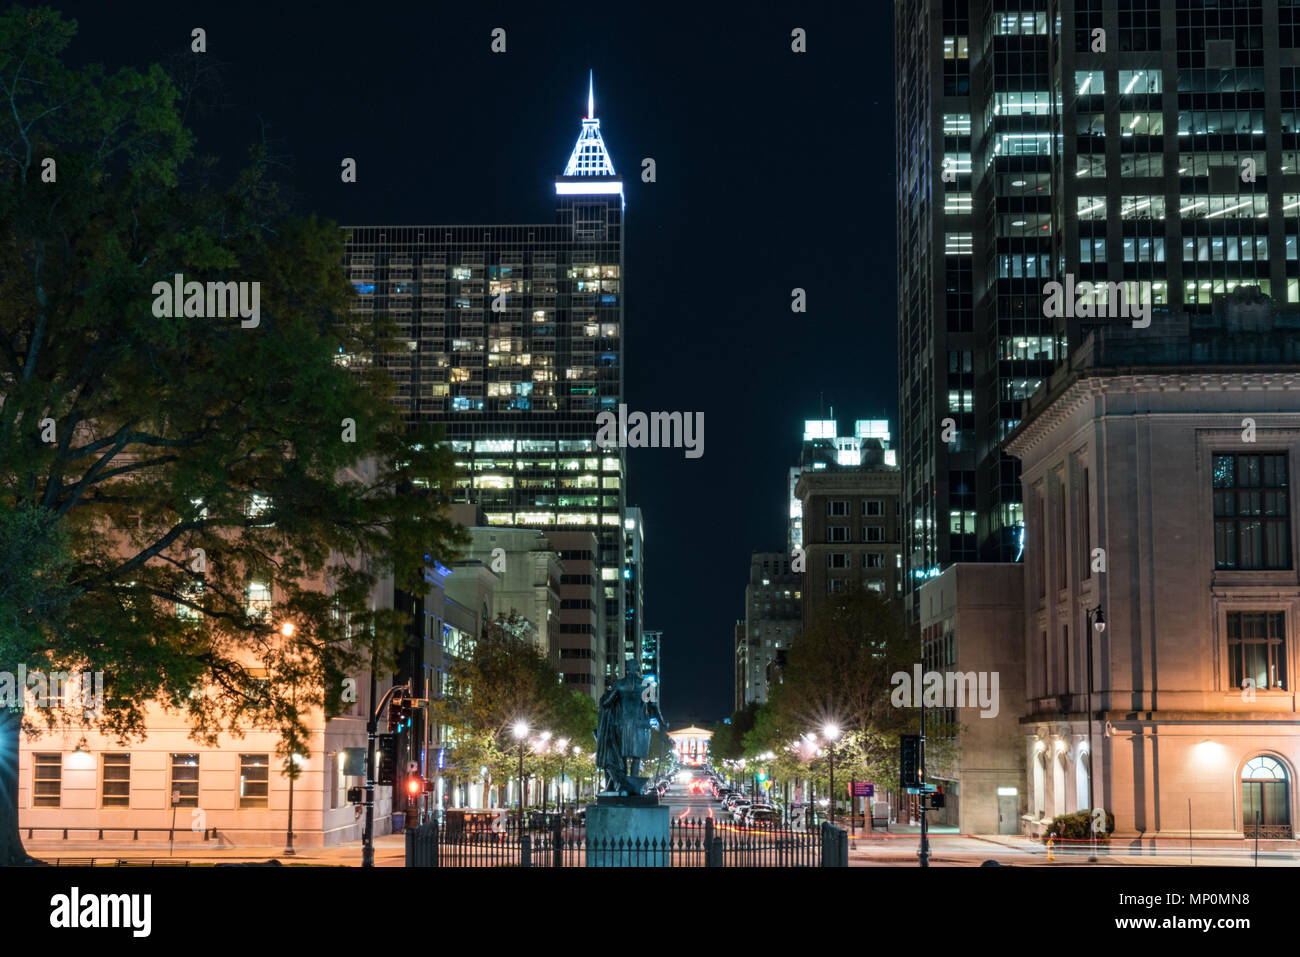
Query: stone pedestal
x=625, y=835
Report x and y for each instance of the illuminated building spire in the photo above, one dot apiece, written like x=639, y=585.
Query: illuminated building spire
x=589, y=156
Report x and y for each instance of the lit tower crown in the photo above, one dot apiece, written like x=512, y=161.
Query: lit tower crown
x=589, y=158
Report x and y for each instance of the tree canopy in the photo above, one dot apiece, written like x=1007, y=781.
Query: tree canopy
x=151, y=466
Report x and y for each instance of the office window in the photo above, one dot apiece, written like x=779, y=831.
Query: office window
x=873, y=506
x=874, y=561
x=837, y=533
x=1257, y=649
x=1251, y=515
x=835, y=586
x=839, y=560
x=873, y=534
x=254, y=780
x=837, y=508
x=185, y=780
x=47, y=780
x=117, y=781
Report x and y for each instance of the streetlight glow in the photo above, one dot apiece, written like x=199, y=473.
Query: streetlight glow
x=521, y=729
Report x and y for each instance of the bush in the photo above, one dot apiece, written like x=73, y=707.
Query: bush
x=1077, y=827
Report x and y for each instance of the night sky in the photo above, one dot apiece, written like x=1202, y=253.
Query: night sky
x=775, y=170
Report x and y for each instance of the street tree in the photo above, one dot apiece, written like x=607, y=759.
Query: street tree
x=155, y=463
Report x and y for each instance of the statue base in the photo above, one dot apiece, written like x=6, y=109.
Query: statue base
x=616, y=799
x=627, y=832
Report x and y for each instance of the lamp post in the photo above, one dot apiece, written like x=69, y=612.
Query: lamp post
x=287, y=630
x=577, y=787
x=544, y=746
x=563, y=746
x=1097, y=623
x=521, y=732
x=832, y=733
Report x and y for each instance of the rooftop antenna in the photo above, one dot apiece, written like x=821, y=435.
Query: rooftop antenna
x=591, y=95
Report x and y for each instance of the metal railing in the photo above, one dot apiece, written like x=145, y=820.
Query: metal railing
x=565, y=843
x=208, y=833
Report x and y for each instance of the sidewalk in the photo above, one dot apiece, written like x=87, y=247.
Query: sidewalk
x=390, y=851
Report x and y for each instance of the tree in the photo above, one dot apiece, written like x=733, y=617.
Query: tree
x=151, y=465
x=726, y=743
x=506, y=679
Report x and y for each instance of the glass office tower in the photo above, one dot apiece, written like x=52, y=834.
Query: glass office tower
x=1152, y=142
x=512, y=339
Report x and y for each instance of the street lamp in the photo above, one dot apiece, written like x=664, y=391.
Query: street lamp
x=287, y=629
x=832, y=733
x=563, y=745
x=1097, y=621
x=521, y=732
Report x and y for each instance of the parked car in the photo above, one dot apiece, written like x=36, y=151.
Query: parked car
x=738, y=811
x=760, y=815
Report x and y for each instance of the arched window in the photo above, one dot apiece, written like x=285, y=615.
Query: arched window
x=1265, y=799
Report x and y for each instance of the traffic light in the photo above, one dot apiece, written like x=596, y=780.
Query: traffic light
x=936, y=799
x=387, y=758
x=414, y=786
x=909, y=760
x=394, y=712
x=404, y=713
x=356, y=795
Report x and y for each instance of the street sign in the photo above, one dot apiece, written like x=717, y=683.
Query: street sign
x=928, y=789
x=864, y=789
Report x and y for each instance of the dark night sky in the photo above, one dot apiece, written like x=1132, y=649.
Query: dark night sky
x=775, y=170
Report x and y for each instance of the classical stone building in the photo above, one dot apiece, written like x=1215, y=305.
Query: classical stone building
x=1160, y=478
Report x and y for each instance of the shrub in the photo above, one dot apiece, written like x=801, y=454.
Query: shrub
x=1077, y=827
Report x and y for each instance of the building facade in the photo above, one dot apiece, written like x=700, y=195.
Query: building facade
x=1160, y=471
x=633, y=582
x=851, y=529
x=773, y=618
x=972, y=618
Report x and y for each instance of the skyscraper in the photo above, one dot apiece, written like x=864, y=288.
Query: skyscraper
x=511, y=337
x=1153, y=143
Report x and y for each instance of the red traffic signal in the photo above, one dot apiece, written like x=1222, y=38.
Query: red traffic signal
x=414, y=785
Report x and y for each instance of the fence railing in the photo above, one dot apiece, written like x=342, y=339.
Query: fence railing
x=565, y=843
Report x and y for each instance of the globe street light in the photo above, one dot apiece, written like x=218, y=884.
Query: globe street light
x=832, y=732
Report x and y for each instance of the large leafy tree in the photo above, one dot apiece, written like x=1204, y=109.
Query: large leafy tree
x=839, y=672
x=151, y=467
x=504, y=679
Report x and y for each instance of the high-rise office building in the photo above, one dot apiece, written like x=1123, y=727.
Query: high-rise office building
x=633, y=582
x=511, y=337
x=823, y=447
x=1153, y=143
x=773, y=618
x=652, y=658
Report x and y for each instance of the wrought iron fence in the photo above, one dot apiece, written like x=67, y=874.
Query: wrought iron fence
x=563, y=842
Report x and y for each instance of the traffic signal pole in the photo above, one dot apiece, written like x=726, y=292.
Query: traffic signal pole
x=925, y=841
x=368, y=834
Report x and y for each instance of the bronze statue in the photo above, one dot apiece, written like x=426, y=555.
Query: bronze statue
x=623, y=734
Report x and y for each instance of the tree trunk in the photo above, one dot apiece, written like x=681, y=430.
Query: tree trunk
x=11, y=843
